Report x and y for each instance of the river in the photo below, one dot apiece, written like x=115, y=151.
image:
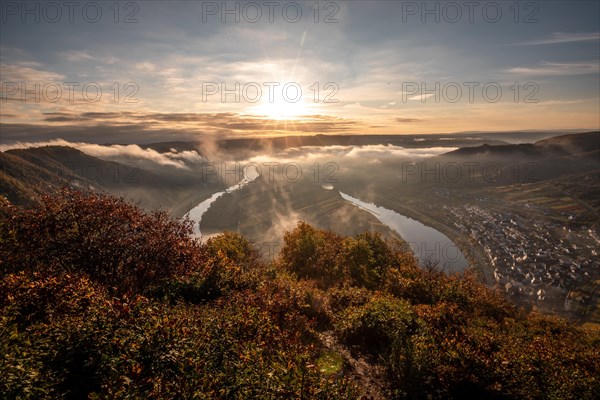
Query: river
x=196, y=213
x=425, y=242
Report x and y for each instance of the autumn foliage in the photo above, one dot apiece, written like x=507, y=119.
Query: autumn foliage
x=101, y=300
x=112, y=241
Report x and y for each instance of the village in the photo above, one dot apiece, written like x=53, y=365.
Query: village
x=536, y=261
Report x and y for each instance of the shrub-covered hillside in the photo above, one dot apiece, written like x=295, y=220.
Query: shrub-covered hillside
x=101, y=300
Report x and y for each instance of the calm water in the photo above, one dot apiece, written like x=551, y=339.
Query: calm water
x=426, y=242
x=197, y=212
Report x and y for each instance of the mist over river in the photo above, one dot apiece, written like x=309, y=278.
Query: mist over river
x=196, y=213
x=427, y=243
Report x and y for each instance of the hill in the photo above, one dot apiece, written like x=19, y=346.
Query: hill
x=573, y=144
x=545, y=159
x=101, y=300
x=577, y=142
x=29, y=173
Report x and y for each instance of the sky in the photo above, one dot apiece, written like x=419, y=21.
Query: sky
x=148, y=71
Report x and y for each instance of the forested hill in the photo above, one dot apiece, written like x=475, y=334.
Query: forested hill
x=28, y=174
x=99, y=299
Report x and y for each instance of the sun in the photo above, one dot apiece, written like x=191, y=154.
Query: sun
x=284, y=110
x=280, y=108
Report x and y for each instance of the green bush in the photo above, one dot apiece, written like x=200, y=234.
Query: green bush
x=340, y=298
x=376, y=325
x=313, y=254
x=368, y=258
x=235, y=247
x=331, y=260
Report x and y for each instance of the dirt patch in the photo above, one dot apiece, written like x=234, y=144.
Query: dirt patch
x=368, y=375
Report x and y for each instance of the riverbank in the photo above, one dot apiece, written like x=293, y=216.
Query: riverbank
x=472, y=252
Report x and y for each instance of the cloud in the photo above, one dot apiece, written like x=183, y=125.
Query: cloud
x=75, y=56
x=310, y=154
x=172, y=159
x=116, y=152
x=421, y=97
x=558, y=102
x=373, y=151
x=563, y=37
x=231, y=123
x=29, y=74
x=558, y=69
x=125, y=133
x=403, y=120
x=145, y=66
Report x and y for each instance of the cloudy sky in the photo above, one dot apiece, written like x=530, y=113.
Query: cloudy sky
x=143, y=71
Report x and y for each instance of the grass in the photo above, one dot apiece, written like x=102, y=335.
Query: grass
x=330, y=362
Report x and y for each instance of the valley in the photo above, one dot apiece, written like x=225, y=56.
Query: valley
x=532, y=233
x=528, y=226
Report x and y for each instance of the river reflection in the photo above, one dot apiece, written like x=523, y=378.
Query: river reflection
x=425, y=242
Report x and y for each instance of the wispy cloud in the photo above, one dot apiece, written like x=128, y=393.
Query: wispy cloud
x=562, y=37
x=408, y=120
x=146, y=127
x=308, y=154
x=76, y=55
x=229, y=121
x=421, y=97
x=558, y=69
x=28, y=73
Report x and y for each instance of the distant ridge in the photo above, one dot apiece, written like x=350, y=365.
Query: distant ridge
x=587, y=141
x=28, y=173
x=557, y=145
x=552, y=157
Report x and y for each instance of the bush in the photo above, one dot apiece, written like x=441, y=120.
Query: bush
x=235, y=247
x=107, y=238
x=45, y=344
x=454, y=355
x=368, y=258
x=330, y=260
x=233, y=327
x=377, y=324
x=340, y=298
x=248, y=345
x=313, y=254
x=231, y=264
